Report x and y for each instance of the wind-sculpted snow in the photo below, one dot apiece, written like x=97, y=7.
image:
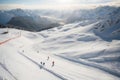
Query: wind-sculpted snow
x=84, y=62
x=83, y=50
x=35, y=47
x=107, y=60
x=109, y=28
x=82, y=45
x=87, y=38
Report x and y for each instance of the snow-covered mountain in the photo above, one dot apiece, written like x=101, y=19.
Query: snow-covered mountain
x=98, y=13
x=63, y=16
x=32, y=24
x=27, y=19
x=5, y=16
x=78, y=52
x=86, y=48
x=109, y=28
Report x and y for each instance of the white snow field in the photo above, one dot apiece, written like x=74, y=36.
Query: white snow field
x=78, y=53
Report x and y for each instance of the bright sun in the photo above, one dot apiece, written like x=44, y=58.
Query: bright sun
x=65, y=1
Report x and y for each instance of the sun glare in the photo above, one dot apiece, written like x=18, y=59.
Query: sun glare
x=65, y=1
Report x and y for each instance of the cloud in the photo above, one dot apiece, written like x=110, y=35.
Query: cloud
x=59, y=7
x=75, y=5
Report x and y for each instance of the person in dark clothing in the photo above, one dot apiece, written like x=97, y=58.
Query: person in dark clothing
x=37, y=51
x=48, y=58
x=43, y=63
x=40, y=66
x=53, y=63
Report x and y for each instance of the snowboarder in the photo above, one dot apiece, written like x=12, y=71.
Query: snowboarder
x=53, y=63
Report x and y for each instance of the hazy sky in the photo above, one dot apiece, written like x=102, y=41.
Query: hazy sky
x=6, y=4
x=51, y=1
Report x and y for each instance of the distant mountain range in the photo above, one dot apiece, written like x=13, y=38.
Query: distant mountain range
x=28, y=23
x=24, y=19
x=37, y=20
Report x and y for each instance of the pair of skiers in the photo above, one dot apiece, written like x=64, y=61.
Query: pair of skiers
x=42, y=63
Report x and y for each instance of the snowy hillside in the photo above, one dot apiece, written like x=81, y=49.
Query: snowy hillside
x=109, y=28
x=79, y=44
x=85, y=47
x=78, y=54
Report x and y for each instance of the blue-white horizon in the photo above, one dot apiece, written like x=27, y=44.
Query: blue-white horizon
x=51, y=4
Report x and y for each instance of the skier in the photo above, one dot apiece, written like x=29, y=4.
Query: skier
x=43, y=63
x=53, y=63
x=37, y=51
x=48, y=58
x=41, y=66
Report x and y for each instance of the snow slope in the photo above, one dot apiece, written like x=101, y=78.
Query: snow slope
x=81, y=45
x=79, y=54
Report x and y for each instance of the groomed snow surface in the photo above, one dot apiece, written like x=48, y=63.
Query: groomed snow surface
x=78, y=54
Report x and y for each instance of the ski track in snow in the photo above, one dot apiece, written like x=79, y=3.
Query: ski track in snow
x=55, y=74
x=69, y=75
x=92, y=65
x=8, y=71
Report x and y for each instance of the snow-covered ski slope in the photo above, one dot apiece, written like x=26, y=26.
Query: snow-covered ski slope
x=78, y=53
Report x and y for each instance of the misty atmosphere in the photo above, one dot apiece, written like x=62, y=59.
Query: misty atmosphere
x=60, y=40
